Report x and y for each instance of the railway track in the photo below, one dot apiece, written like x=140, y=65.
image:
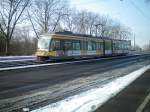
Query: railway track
x=29, y=63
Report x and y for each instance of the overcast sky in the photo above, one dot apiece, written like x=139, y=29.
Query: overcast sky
x=131, y=13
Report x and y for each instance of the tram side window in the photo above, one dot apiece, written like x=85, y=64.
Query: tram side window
x=84, y=45
x=89, y=45
x=101, y=45
x=120, y=46
x=76, y=45
x=117, y=46
x=55, y=45
x=94, y=46
x=67, y=45
x=114, y=46
x=127, y=46
x=123, y=45
x=98, y=46
x=107, y=45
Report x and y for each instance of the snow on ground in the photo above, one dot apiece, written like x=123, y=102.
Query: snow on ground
x=92, y=99
x=16, y=60
x=16, y=57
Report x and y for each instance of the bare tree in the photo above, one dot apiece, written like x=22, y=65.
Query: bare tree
x=63, y=12
x=92, y=22
x=11, y=12
x=33, y=26
x=70, y=22
x=46, y=14
x=85, y=23
x=80, y=22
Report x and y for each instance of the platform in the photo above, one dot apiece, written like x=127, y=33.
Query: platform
x=134, y=98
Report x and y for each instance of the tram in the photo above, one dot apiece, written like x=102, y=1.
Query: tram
x=67, y=45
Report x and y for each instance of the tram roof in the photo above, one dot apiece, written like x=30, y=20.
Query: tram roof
x=69, y=33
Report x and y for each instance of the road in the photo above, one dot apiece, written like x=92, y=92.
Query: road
x=18, y=82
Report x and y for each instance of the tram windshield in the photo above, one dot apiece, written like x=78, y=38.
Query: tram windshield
x=43, y=43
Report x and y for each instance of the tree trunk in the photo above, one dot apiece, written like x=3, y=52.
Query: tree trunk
x=7, y=48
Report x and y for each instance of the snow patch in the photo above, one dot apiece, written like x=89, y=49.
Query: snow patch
x=90, y=100
x=16, y=60
x=1, y=57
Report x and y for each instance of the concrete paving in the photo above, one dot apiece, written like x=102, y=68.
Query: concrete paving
x=134, y=98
